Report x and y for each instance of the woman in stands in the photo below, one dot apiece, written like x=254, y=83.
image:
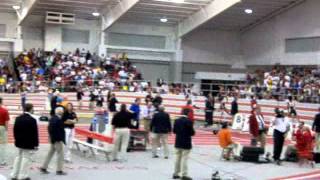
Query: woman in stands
x=291, y=105
x=70, y=118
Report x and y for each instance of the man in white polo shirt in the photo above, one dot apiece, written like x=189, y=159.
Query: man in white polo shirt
x=281, y=127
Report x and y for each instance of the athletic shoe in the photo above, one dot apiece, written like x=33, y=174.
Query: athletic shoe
x=44, y=171
x=186, y=178
x=175, y=177
x=61, y=173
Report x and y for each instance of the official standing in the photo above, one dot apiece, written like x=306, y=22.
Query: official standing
x=160, y=127
x=69, y=118
x=257, y=126
x=316, y=128
x=112, y=103
x=121, y=123
x=4, y=121
x=209, y=110
x=147, y=114
x=234, y=107
x=281, y=127
x=135, y=108
x=25, y=132
x=183, y=128
x=57, y=139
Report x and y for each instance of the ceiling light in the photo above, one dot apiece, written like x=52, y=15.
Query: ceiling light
x=16, y=7
x=248, y=11
x=96, y=14
x=164, y=20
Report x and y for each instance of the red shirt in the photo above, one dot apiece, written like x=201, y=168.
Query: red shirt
x=190, y=115
x=4, y=116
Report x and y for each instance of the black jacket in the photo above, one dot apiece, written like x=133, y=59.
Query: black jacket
x=122, y=119
x=209, y=106
x=316, y=123
x=112, y=104
x=25, y=132
x=183, y=129
x=161, y=123
x=234, y=108
x=56, y=129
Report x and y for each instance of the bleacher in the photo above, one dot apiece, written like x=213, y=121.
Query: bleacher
x=173, y=104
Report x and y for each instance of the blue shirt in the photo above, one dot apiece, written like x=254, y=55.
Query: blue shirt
x=136, y=109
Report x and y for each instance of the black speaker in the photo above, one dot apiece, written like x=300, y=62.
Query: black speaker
x=251, y=154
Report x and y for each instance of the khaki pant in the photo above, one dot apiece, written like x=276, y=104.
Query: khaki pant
x=262, y=139
x=317, y=145
x=181, y=164
x=146, y=124
x=3, y=143
x=22, y=164
x=158, y=139
x=69, y=138
x=121, y=142
x=56, y=147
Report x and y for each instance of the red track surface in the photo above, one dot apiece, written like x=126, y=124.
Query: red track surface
x=201, y=138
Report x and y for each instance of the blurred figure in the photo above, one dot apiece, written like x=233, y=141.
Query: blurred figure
x=281, y=127
x=135, y=108
x=226, y=143
x=234, y=107
x=70, y=119
x=157, y=101
x=316, y=128
x=304, y=144
x=80, y=94
x=257, y=126
x=183, y=128
x=25, y=132
x=57, y=139
x=291, y=105
x=191, y=110
x=121, y=123
x=23, y=100
x=113, y=103
x=209, y=110
x=147, y=114
x=160, y=127
x=4, y=123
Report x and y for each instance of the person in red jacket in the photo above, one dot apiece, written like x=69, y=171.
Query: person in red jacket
x=257, y=126
x=191, y=111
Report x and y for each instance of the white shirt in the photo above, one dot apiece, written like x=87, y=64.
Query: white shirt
x=281, y=124
x=147, y=112
x=260, y=122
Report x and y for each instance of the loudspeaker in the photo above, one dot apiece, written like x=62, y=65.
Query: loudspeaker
x=251, y=154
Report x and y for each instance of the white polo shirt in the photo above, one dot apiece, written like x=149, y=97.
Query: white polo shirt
x=281, y=124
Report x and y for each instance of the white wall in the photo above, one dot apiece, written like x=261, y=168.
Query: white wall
x=147, y=29
x=265, y=44
x=33, y=32
x=213, y=47
x=81, y=24
x=10, y=20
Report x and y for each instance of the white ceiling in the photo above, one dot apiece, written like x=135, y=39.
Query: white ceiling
x=150, y=11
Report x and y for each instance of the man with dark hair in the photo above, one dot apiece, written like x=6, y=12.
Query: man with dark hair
x=4, y=121
x=160, y=127
x=26, y=137
x=183, y=128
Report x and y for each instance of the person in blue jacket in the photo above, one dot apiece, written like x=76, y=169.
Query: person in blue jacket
x=135, y=108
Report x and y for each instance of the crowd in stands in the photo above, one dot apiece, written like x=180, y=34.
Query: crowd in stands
x=6, y=77
x=303, y=83
x=39, y=70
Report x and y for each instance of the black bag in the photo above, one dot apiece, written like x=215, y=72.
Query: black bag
x=251, y=154
x=316, y=157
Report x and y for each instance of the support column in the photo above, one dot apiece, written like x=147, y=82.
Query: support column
x=176, y=64
x=102, y=49
x=18, y=43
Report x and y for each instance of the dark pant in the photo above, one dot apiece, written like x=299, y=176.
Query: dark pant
x=209, y=118
x=278, y=141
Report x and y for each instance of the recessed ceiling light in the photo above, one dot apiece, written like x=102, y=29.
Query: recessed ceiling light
x=16, y=7
x=164, y=20
x=96, y=14
x=248, y=11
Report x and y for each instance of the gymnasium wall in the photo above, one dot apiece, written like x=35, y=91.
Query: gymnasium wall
x=266, y=43
x=9, y=22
